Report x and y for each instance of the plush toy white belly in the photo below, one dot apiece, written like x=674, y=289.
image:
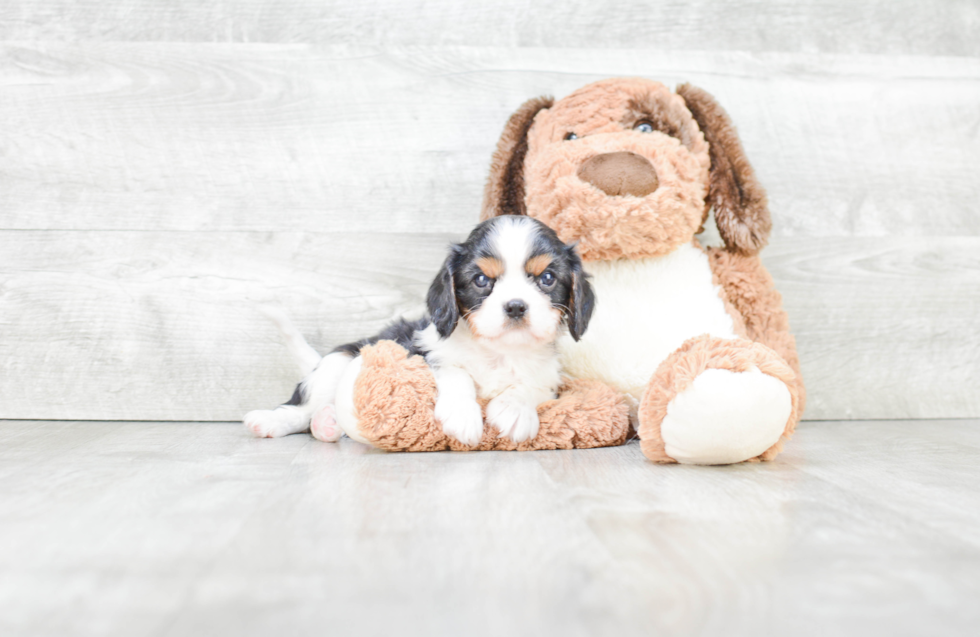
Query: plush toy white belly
x=645, y=309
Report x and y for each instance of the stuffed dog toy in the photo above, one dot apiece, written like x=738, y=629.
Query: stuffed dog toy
x=690, y=345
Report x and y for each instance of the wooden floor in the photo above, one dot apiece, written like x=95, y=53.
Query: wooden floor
x=110, y=528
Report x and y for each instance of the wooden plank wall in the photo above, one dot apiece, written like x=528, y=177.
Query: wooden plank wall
x=166, y=168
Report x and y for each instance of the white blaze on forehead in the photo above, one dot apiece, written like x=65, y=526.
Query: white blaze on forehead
x=512, y=241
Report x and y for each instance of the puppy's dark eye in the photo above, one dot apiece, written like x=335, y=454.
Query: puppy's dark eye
x=547, y=279
x=643, y=127
x=481, y=281
x=570, y=136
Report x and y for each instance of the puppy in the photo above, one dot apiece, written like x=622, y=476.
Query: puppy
x=495, y=310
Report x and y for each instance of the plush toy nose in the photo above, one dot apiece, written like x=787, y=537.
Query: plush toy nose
x=619, y=174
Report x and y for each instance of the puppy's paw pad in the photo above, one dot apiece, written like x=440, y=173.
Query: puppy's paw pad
x=324, y=425
x=461, y=419
x=515, y=420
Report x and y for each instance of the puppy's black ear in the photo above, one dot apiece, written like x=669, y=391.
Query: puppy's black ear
x=441, y=299
x=581, y=301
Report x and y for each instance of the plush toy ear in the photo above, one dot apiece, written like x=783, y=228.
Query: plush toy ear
x=441, y=299
x=581, y=302
x=504, y=193
x=739, y=201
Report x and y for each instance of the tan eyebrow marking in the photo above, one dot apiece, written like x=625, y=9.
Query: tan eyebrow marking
x=537, y=264
x=491, y=267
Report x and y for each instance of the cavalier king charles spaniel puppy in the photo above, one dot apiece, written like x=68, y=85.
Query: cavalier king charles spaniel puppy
x=495, y=311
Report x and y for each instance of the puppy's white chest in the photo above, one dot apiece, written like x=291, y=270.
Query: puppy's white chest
x=494, y=370
x=496, y=374
x=645, y=309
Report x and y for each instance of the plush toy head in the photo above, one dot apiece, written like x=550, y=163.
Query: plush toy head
x=628, y=169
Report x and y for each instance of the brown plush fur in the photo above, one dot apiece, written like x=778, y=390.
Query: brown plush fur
x=739, y=201
x=678, y=371
x=504, y=193
x=579, y=211
x=758, y=305
x=394, y=398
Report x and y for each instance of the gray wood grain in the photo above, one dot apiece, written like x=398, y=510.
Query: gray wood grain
x=838, y=26
x=175, y=136
x=170, y=529
x=886, y=328
x=166, y=326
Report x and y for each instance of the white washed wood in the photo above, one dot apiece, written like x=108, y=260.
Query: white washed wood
x=165, y=325
x=182, y=529
x=838, y=26
x=171, y=136
x=886, y=328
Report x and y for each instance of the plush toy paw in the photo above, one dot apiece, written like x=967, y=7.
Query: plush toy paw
x=274, y=423
x=718, y=401
x=725, y=417
x=514, y=419
x=324, y=425
x=461, y=419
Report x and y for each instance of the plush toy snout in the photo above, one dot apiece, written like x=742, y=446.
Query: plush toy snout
x=619, y=174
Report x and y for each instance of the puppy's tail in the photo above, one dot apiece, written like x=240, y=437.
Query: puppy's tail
x=305, y=356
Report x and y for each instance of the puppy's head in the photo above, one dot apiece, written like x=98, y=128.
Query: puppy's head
x=513, y=282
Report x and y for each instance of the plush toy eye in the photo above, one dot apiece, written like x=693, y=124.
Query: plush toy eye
x=570, y=136
x=481, y=281
x=547, y=279
x=643, y=127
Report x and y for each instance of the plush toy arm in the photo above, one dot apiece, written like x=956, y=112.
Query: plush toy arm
x=395, y=395
x=752, y=294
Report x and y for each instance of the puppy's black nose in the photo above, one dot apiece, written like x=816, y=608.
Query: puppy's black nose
x=515, y=308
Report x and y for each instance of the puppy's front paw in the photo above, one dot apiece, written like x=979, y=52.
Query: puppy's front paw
x=515, y=420
x=460, y=419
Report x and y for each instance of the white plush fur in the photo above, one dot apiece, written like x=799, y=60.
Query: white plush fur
x=646, y=309
x=725, y=417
